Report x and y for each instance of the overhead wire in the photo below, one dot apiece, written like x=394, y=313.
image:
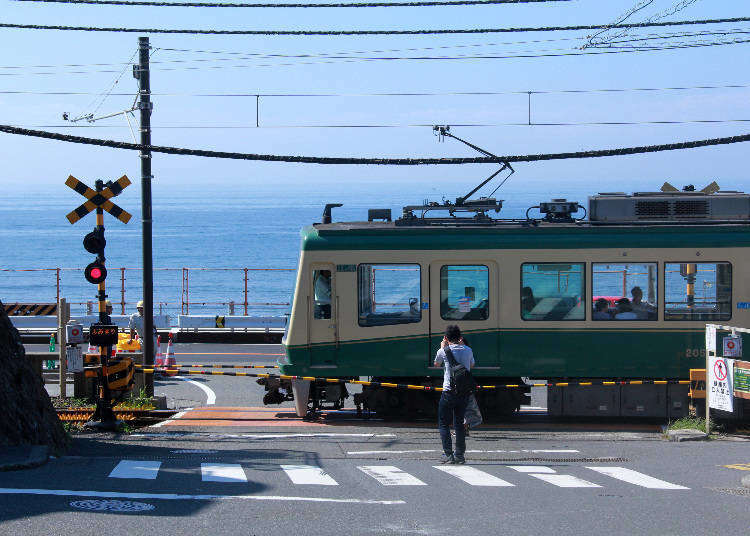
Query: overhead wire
x=375, y=161
x=337, y=33
x=399, y=94
x=426, y=3
x=336, y=61
x=254, y=126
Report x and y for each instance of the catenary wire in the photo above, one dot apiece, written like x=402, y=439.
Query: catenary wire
x=397, y=94
x=404, y=58
x=418, y=125
x=336, y=33
x=374, y=161
x=435, y=3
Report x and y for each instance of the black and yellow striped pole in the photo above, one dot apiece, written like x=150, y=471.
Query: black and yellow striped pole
x=102, y=333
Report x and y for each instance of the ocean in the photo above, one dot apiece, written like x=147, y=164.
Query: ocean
x=214, y=233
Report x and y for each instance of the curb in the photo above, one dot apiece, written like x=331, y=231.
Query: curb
x=746, y=481
x=686, y=435
x=36, y=456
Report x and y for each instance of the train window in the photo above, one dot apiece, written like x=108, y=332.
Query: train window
x=464, y=292
x=624, y=291
x=389, y=294
x=322, y=293
x=552, y=291
x=698, y=291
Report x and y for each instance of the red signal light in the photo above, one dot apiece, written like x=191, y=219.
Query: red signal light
x=95, y=273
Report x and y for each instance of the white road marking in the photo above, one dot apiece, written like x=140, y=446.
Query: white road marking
x=472, y=475
x=532, y=469
x=388, y=475
x=222, y=472
x=210, y=395
x=291, y=436
x=174, y=417
x=213, y=435
x=176, y=496
x=146, y=470
x=566, y=481
x=534, y=451
x=308, y=474
x=634, y=477
x=389, y=451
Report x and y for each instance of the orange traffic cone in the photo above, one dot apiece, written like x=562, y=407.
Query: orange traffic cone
x=159, y=360
x=169, y=360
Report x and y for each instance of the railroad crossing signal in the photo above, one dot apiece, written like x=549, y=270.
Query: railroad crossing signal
x=102, y=333
x=99, y=199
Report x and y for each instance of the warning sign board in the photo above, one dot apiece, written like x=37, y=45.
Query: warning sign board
x=720, y=383
x=732, y=346
x=742, y=379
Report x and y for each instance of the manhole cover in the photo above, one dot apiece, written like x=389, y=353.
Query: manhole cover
x=112, y=506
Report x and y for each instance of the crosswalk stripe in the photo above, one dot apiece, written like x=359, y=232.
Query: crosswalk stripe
x=308, y=474
x=565, y=481
x=146, y=470
x=388, y=475
x=222, y=472
x=634, y=477
x=532, y=468
x=472, y=475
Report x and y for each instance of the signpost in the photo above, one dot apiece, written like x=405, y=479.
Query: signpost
x=103, y=333
x=725, y=378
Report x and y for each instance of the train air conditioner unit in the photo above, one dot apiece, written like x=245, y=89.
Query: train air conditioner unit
x=671, y=204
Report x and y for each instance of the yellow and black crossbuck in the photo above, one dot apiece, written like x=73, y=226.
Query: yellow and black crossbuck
x=99, y=199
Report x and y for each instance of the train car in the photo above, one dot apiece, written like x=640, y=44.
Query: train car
x=623, y=294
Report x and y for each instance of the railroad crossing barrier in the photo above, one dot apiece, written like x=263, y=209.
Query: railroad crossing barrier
x=196, y=322
x=615, y=383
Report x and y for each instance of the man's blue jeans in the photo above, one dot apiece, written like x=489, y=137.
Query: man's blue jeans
x=451, y=410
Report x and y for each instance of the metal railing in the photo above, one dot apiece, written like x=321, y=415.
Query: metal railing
x=120, y=291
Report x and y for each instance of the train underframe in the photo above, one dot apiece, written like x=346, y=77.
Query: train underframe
x=665, y=400
x=389, y=402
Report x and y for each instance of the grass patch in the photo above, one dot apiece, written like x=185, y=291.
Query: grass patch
x=136, y=401
x=688, y=423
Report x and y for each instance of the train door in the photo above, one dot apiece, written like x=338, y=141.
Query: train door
x=322, y=314
x=466, y=293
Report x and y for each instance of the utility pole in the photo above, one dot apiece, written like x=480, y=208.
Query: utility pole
x=145, y=106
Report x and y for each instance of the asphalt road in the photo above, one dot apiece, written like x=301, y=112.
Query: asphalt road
x=384, y=482
x=370, y=477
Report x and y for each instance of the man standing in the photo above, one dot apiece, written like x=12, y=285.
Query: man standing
x=453, y=407
x=135, y=325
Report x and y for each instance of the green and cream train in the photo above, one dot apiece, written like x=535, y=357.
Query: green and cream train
x=623, y=294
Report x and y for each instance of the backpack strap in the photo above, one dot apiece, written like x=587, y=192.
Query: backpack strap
x=449, y=354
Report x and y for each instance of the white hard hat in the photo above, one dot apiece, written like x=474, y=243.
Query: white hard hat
x=139, y=305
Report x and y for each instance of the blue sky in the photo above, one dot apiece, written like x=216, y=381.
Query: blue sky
x=33, y=163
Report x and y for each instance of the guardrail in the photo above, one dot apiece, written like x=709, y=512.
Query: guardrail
x=191, y=293
x=194, y=323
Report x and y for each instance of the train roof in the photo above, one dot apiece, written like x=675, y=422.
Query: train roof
x=666, y=219
x=518, y=235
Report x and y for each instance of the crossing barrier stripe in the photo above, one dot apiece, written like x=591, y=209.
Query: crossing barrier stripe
x=30, y=309
x=177, y=372
x=218, y=366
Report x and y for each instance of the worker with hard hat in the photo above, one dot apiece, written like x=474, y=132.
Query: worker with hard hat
x=135, y=325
